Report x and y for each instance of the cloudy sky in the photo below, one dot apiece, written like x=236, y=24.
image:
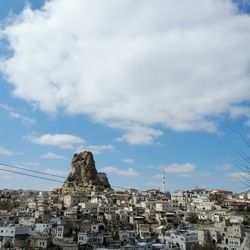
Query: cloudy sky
x=145, y=85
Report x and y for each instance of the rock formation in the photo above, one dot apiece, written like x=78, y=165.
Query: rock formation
x=84, y=174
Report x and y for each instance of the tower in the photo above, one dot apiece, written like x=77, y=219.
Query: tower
x=163, y=181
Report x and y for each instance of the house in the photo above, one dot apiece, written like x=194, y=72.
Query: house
x=161, y=205
x=72, y=200
x=43, y=228
x=96, y=228
x=10, y=233
x=182, y=239
x=39, y=242
x=94, y=239
x=127, y=236
x=27, y=221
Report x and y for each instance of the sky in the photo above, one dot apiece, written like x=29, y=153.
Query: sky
x=146, y=86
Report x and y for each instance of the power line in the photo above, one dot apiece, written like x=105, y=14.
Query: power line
x=30, y=170
x=30, y=175
x=40, y=177
x=44, y=178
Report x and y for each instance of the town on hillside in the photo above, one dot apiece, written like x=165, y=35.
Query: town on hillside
x=87, y=213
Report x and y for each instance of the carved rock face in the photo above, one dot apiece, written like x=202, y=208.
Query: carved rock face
x=83, y=166
x=84, y=171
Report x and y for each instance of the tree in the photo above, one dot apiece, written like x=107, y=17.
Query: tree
x=192, y=218
x=207, y=246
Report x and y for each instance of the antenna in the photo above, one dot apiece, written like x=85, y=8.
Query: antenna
x=163, y=181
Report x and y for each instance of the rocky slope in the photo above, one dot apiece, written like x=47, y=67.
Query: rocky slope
x=84, y=175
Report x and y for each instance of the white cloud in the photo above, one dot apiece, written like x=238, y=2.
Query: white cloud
x=5, y=176
x=96, y=149
x=58, y=140
x=225, y=167
x=5, y=107
x=133, y=65
x=157, y=176
x=32, y=164
x=247, y=123
x=236, y=176
x=200, y=174
x=122, y=172
x=56, y=172
x=137, y=134
x=153, y=184
x=180, y=169
x=6, y=152
x=128, y=160
x=22, y=118
x=239, y=111
x=53, y=156
x=16, y=115
x=26, y=164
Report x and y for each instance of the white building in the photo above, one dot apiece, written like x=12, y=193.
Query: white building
x=161, y=206
x=43, y=228
x=127, y=235
x=94, y=239
x=182, y=239
x=27, y=221
x=8, y=234
x=39, y=242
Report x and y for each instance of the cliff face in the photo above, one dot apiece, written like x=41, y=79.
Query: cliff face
x=84, y=173
x=83, y=167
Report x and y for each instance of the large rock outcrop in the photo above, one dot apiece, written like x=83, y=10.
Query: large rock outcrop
x=84, y=174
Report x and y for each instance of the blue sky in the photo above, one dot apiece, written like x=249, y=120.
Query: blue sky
x=146, y=87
